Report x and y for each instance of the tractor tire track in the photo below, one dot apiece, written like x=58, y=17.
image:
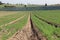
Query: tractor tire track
x=12, y=22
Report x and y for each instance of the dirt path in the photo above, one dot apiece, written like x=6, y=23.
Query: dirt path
x=29, y=32
x=12, y=22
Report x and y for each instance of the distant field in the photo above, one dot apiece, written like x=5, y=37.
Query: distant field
x=5, y=13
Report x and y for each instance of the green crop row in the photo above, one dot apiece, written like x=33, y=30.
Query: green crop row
x=47, y=30
x=13, y=28
x=50, y=15
x=9, y=18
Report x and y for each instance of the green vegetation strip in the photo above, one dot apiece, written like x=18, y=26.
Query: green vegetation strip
x=46, y=29
x=13, y=28
x=50, y=15
x=9, y=18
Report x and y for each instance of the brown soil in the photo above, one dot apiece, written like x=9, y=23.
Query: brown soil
x=29, y=32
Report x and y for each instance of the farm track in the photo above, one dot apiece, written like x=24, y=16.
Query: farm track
x=12, y=22
x=48, y=22
x=29, y=32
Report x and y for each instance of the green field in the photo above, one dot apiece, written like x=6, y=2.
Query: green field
x=8, y=25
x=10, y=29
x=50, y=15
x=49, y=31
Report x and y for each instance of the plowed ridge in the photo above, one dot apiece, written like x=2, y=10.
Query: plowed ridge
x=29, y=32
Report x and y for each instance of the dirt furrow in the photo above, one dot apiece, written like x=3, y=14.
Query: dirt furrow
x=29, y=32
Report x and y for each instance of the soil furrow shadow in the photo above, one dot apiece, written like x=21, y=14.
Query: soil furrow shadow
x=48, y=22
x=34, y=31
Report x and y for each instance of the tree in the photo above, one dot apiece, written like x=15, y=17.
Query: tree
x=24, y=5
x=1, y=3
x=45, y=4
